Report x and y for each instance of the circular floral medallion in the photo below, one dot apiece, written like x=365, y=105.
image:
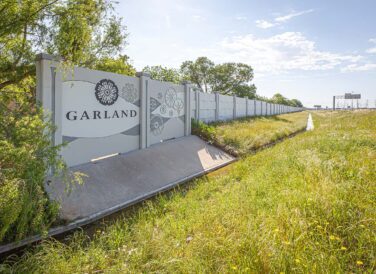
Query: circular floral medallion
x=156, y=125
x=106, y=92
x=170, y=97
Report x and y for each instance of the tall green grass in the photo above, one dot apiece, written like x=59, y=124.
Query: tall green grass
x=304, y=205
x=246, y=135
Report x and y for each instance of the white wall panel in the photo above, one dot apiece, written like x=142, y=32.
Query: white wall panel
x=226, y=107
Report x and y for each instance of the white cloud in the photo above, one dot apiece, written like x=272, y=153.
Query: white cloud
x=292, y=15
x=359, y=67
x=280, y=53
x=280, y=19
x=371, y=50
x=263, y=24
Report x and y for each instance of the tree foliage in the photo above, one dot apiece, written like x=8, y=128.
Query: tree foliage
x=280, y=99
x=163, y=74
x=199, y=72
x=80, y=31
x=226, y=78
x=233, y=79
x=295, y=103
x=118, y=65
x=83, y=32
x=25, y=156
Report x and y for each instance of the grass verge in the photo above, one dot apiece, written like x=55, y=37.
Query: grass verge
x=304, y=205
x=242, y=136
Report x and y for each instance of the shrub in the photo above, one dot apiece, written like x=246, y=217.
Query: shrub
x=205, y=131
x=26, y=156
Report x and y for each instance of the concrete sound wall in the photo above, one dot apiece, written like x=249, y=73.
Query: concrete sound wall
x=225, y=107
x=207, y=106
x=98, y=113
x=217, y=107
x=241, y=107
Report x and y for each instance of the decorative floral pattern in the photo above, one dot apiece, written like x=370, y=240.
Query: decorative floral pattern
x=106, y=92
x=129, y=93
x=178, y=105
x=163, y=109
x=156, y=125
x=170, y=97
x=154, y=104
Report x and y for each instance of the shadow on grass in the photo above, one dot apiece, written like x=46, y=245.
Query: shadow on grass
x=278, y=118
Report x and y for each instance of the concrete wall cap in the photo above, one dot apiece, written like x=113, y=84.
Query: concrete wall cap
x=143, y=74
x=46, y=56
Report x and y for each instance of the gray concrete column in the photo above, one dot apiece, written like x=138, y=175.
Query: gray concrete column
x=197, y=105
x=234, y=107
x=254, y=106
x=49, y=91
x=187, y=90
x=246, y=106
x=144, y=109
x=216, y=106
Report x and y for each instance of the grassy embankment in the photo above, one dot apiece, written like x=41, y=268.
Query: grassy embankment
x=304, y=205
x=243, y=136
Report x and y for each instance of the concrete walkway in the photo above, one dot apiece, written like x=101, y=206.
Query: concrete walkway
x=310, y=125
x=117, y=182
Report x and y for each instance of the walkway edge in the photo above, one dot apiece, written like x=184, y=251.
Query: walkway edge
x=104, y=213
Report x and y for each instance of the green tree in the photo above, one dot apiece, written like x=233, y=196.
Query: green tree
x=226, y=78
x=83, y=32
x=279, y=99
x=295, y=103
x=80, y=31
x=233, y=79
x=163, y=74
x=118, y=65
x=199, y=72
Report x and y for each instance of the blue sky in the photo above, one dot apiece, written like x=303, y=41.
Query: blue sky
x=309, y=50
